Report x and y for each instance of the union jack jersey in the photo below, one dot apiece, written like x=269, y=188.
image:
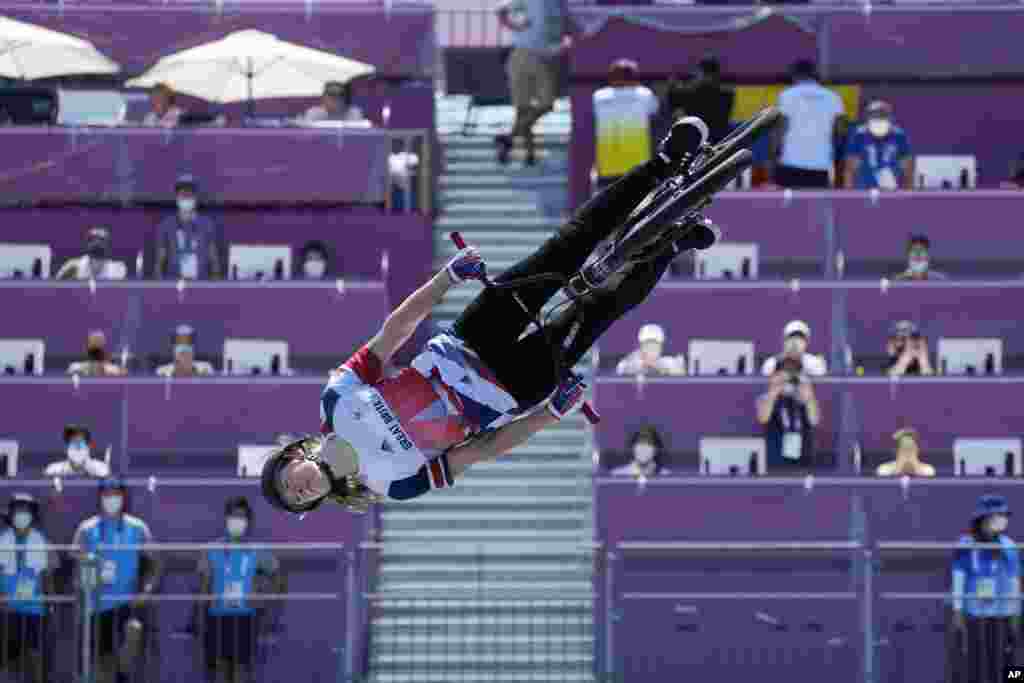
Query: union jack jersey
x=402, y=423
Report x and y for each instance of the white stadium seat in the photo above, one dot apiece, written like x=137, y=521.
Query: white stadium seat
x=717, y=357
x=255, y=356
x=945, y=172
x=992, y=457
x=260, y=262
x=727, y=260
x=22, y=356
x=970, y=356
x=29, y=261
x=251, y=458
x=732, y=455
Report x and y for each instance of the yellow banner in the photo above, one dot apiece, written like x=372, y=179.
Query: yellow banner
x=750, y=99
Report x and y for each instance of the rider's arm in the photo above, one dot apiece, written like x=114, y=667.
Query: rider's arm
x=490, y=445
x=403, y=321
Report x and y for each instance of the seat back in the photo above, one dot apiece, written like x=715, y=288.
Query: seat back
x=260, y=262
x=727, y=260
x=970, y=356
x=28, y=261
x=251, y=458
x=720, y=357
x=946, y=172
x=255, y=357
x=9, y=458
x=732, y=455
x=22, y=356
x=992, y=457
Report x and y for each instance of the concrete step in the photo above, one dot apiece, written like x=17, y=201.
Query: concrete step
x=483, y=522
x=485, y=212
x=527, y=661
x=474, y=150
x=482, y=235
x=545, y=162
x=501, y=181
x=449, y=676
x=506, y=571
x=468, y=587
x=511, y=641
x=481, y=498
x=492, y=536
x=499, y=194
x=490, y=550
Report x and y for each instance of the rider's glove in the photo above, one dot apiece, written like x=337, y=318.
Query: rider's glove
x=567, y=397
x=467, y=264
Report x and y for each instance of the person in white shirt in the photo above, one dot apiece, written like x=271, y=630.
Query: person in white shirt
x=166, y=113
x=813, y=124
x=622, y=116
x=647, y=447
x=335, y=105
x=95, y=263
x=796, y=336
x=97, y=363
x=648, y=359
x=79, y=446
x=185, y=364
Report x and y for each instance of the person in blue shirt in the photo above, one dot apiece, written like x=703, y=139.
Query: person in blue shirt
x=231, y=622
x=27, y=571
x=126, y=577
x=878, y=153
x=985, y=618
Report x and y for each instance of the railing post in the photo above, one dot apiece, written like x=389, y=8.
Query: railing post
x=88, y=582
x=352, y=620
x=868, y=617
x=611, y=615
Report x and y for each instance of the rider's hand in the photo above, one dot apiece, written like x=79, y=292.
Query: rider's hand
x=466, y=265
x=567, y=397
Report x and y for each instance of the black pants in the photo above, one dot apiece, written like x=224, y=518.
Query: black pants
x=801, y=178
x=493, y=323
x=987, y=640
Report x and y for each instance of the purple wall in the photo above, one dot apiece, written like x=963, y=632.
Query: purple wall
x=357, y=236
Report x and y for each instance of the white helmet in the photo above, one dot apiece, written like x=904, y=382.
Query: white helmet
x=651, y=332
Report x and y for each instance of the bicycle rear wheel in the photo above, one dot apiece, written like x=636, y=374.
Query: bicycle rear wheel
x=670, y=202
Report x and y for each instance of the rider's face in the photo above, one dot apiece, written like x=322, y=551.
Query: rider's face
x=302, y=481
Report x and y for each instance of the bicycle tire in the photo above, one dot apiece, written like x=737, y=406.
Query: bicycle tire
x=744, y=136
x=670, y=206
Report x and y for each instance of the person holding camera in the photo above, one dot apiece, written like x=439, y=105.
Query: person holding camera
x=796, y=338
x=907, y=351
x=788, y=412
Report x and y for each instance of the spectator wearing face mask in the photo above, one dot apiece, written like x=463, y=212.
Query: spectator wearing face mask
x=907, y=351
x=127, y=576
x=165, y=113
x=796, y=337
x=985, y=621
x=908, y=457
x=97, y=363
x=230, y=624
x=335, y=105
x=648, y=359
x=878, y=153
x=27, y=570
x=647, y=447
x=79, y=446
x=788, y=413
x=95, y=263
x=185, y=364
x=314, y=261
x=187, y=242
x=918, y=261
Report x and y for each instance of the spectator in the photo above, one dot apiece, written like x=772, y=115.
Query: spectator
x=314, y=261
x=908, y=457
x=185, y=364
x=647, y=447
x=648, y=359
x=705, y=97
x=165, y=112
x=878, y=153
x=622, y=114
x=539, y=35
x=918, y=263
x=127, y=576
x=986, y=625
x=79, y=446
x=95, y=263
x=908, y=351
x=28, y=575
x=1016, y=180
x=796, y=336
x=232, y=621
x=97, y=363
x=187, y=242
x=789, y=413
x=812, y=122
x=335, y=105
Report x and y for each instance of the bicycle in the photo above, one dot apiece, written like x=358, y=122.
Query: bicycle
x=665, y=215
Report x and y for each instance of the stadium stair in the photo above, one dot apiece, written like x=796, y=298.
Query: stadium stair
x=511, y=529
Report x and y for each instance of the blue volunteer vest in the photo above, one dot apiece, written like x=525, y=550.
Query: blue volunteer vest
x=990, y=577
x=22, y=581
x=118, y=569
x=231, y=574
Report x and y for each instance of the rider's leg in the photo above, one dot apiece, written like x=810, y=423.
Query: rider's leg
x=494, y=320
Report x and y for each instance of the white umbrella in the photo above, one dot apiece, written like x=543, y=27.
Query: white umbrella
x=29, y=51
x=248, y=65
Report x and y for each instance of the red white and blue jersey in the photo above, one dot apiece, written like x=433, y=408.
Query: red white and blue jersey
x=401, y=423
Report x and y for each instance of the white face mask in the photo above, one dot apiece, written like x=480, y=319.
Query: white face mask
x=643, y=453
x=879, y=127
x=22, y=520
x=186, y=204
x=78, y=454
x=795, y=345
x=314, y=269
x=237, y=526
x=918, y=265
x=112, y=505
x=997, y=524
